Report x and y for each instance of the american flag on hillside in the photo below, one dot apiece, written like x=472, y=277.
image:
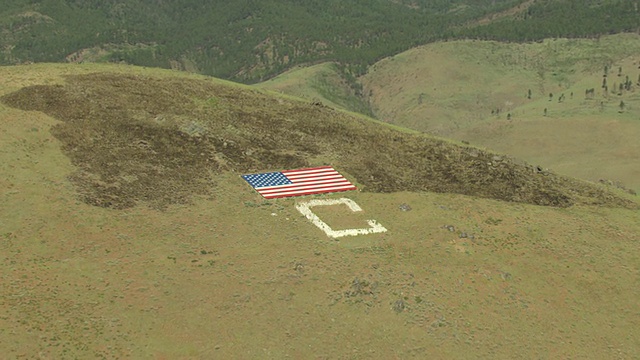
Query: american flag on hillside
x=324, y=179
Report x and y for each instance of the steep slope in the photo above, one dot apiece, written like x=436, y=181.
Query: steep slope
x=527, y=100
x=138, y=138
x=212, y=270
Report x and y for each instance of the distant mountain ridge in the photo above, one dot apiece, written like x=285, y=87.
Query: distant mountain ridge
x=250, y=40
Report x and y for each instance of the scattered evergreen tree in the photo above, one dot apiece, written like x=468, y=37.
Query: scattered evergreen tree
x=562, y=18
x=627, y=83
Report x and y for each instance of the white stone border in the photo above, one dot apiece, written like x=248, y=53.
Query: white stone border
x=305, y=209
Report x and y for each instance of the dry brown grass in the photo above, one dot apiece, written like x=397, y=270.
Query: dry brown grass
x=223, y=277
x=162, y=140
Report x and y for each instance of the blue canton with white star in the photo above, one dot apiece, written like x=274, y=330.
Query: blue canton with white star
x=267, y=179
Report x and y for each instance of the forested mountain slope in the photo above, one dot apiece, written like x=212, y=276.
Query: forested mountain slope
x=566, y=18
x=250, y=40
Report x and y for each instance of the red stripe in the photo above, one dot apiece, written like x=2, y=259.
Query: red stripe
x=303, y=186
x=303, y=183
x=319, y=188
x=316, y=178
x=314, y=174
x=307, y=181
x=274, y=196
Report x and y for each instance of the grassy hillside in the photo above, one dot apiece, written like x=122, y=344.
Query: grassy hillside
x=322, y=82
x=468, y=90
x=109, y=250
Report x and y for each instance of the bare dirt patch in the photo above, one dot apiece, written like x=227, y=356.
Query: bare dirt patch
x=161, y=141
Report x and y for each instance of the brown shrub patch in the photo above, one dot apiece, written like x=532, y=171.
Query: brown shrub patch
x=161, y=141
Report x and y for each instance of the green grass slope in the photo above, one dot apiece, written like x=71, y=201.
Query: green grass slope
x=108, y=250
x=321, y=82
x=467, y=90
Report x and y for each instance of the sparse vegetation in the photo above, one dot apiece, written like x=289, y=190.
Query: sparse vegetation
x=141, y=154
x=127, y=232
x=213, y=278
x=496, y=75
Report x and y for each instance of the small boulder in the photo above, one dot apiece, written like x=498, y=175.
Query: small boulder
x=405, y=207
